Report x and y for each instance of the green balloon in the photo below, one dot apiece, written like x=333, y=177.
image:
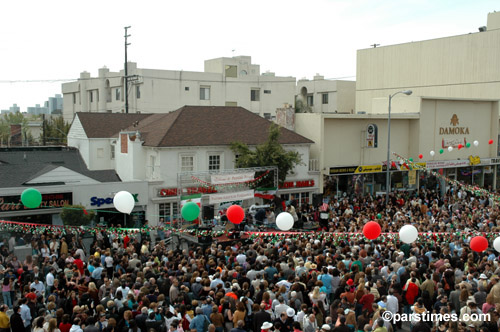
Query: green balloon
x=411, y=159
x=441, y=151
x=31, y=198
x=467, y=145
x=190, y=211
x=379, y=216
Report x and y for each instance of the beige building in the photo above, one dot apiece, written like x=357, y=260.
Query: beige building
x=352, y=149
x=325, y=96
x=225, y=82
x=464, y=66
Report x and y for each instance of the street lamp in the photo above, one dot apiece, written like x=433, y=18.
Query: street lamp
x=388, y=166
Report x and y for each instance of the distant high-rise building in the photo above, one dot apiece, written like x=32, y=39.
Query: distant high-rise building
x=38, y=110
x=13, y=109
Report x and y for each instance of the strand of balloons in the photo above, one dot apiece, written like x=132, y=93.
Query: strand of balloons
x=450, y=148
x=409, y=234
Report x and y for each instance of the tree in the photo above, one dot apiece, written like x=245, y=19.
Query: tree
x=11, y=119
x=270, y=153
x=56, y=131
x=76, y=215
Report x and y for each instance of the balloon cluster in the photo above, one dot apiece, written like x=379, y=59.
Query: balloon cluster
x=450, y=148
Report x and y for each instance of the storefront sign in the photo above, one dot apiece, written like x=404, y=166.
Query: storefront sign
x=58, y=200
x=236, y=196
x=454, y=128
x=108, y=200
x=297, y=184
x=371, y=136
x=412, y=178
x=166, y=192
x=490, y=161
x=232, y=178
x=447, y=163
x=474, y=160
x=343, y=170
x=369, y=169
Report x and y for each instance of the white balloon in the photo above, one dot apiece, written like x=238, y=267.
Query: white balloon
x=496, y=244
x=284, y=221
x=408, y=233
x=450, y=148
x=432, y=153
x=476, y=143
x=124, y=202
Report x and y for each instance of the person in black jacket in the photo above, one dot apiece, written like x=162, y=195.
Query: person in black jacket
x=260, y=318
x=16, y=322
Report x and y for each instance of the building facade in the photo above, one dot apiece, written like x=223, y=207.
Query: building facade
x=352, y=149
x=325, y=96
x=225, y=82
x=158, y=147
x=464, y=66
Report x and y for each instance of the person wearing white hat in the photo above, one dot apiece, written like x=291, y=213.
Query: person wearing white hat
x=266, y=326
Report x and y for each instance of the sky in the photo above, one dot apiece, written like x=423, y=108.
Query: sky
x=44, y=43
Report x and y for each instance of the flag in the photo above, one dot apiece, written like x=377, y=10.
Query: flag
x=266, y=193
x=195, y=198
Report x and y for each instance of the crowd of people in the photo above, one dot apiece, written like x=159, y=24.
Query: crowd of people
x=306, y=283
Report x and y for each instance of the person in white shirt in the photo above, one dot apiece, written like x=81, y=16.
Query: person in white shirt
x=49, y=280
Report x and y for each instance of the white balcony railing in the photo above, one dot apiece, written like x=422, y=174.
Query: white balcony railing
x=313, y=165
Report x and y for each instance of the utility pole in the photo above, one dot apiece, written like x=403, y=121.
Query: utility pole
x=126, y=69
x=43, y=129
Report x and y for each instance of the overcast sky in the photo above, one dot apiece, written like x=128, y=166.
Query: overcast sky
x=42, y=42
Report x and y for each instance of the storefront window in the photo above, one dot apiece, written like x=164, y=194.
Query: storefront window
x=169, y=211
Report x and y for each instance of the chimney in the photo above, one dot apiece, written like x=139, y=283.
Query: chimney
x=16, y=136
x=285, y=117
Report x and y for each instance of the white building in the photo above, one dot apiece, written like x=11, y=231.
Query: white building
x=38, y=110
x=325, y=96
x=225, y=82
x=156, y=147
x=13, y=109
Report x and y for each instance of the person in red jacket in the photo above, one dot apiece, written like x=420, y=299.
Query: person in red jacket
x=367, y=300
x=411, y=293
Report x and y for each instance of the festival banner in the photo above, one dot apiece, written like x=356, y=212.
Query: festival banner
x=232, y=178
x=265, y=193
x=236, y=196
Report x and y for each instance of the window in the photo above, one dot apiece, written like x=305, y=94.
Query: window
x=267, y=92
x=310, y=100
x=231, y=71
x=152, y=162
x=186, y=88
x=168, y=211
x=91, y=96
x=74, y=98
x=255, y=95
x=324, y=98
x=112, y=152
x=118, y=94
x=138, y=91
x=267, y=116
x=205, y=93
x=187, y=163
x=214, y=162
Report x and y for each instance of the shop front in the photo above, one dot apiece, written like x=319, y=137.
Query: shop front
x=300, y=191
x=99, y=197
x=12, y=209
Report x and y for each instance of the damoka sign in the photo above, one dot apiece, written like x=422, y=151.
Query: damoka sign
x=58, y=200
x=454, y=128
x=108, y=200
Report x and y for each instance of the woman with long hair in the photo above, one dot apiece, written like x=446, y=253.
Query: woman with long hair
x=53, y=326
x=315, y=296
x=240, y=313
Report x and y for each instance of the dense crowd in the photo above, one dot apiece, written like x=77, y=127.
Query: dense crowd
x=308, y=283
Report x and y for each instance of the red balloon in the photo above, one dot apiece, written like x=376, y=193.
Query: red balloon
x=490, y=141
x=372, y=230
x=420, y=156
x=479, y=243
x=460, y=146
x=235, y=214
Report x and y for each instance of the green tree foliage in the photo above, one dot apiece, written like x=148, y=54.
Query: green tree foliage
x=14, y=118
x=270, y=153
x=56, y=131
x=74, y=215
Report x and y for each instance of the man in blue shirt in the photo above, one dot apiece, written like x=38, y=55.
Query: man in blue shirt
x=25, y=314
x=198, y=322
x=96, y=274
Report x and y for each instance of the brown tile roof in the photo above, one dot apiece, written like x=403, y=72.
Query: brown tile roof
x=209, y=125
x=105, y=125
